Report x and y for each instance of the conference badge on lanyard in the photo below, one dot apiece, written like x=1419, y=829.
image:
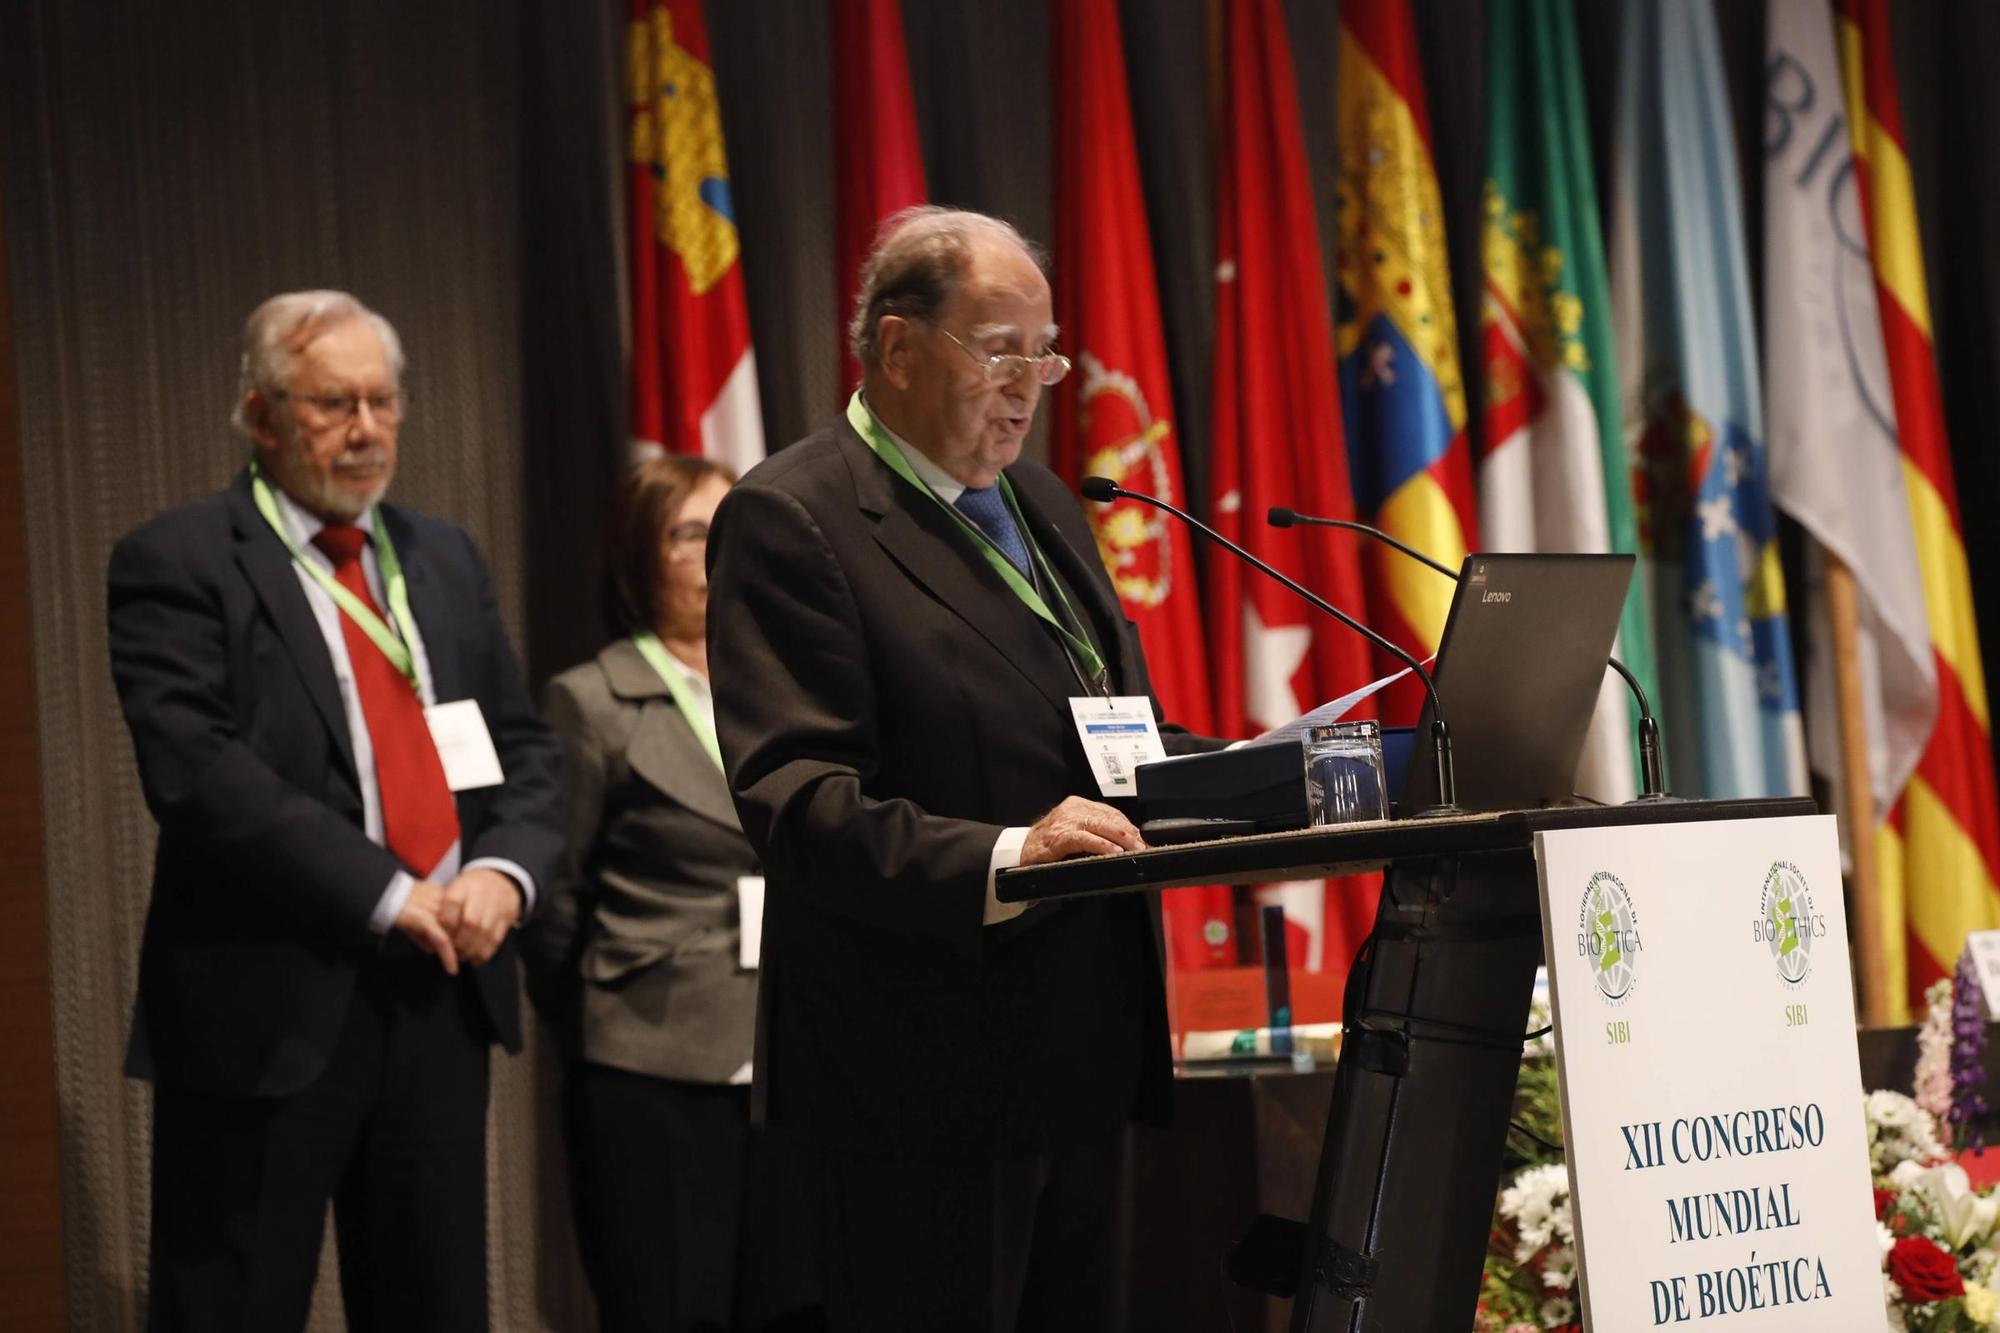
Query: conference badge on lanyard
x=1118, y=734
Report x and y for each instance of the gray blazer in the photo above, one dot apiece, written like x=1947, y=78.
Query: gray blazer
x=633, y=955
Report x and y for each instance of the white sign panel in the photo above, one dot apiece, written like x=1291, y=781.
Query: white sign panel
x=1704, y=1019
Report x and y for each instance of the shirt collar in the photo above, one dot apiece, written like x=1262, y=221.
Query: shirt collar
x=693, y=679
x=942, y=483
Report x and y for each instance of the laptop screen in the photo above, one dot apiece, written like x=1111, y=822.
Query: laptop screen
x=1518, y=671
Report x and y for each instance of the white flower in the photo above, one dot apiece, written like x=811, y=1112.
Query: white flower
x=1906, y=1174
x=1891, y=1110
x=1892, y=1297
x=1962, y=1215
x=1899, y=1130
x=1559, y=1268
x=1886, y=1239
x=1537, y=1203
x=1557, y=1311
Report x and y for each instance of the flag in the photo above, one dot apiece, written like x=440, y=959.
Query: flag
x=1554, y=476
x=1400, y=386
x=878, y=162
x=1940, y=851
x=1681, y=307
x=1113, y=415
x=694, y=377
x=1835, y=464
x=1276, y=439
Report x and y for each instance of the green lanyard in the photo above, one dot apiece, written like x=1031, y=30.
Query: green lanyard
x=885, y=447
x=356, y=610
x=669, y=671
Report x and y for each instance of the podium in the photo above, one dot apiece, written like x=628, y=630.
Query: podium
x=1434, y=1017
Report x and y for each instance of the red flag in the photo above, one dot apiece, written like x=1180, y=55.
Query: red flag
x=1113, y=415
x=694, y=378
x=877, y=160
x=1277, y=433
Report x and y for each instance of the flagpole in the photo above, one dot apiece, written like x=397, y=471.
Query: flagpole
x=1857, y=789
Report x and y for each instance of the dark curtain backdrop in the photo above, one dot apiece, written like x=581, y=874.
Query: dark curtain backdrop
x=459, y=164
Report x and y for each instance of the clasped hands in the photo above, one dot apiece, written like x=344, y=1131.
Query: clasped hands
x=465, y=920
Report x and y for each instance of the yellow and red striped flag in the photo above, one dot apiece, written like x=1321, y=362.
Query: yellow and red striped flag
x=1940, y=850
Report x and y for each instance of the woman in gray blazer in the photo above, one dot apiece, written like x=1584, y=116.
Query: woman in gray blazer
x=688, y=1219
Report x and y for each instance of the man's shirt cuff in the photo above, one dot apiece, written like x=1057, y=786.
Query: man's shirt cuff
x=390, y=906
x=522, y=879
x=1006, y=855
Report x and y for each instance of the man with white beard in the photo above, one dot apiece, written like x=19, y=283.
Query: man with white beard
x=328, y=952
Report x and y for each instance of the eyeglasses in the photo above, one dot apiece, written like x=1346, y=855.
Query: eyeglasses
x=686, y=538
x=338, y=409
x=1049, y=367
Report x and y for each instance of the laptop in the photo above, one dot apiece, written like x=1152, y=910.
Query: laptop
x=1518, y=671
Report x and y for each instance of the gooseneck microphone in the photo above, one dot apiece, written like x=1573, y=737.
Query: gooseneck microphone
x=1652, y=766
x=1104, y=491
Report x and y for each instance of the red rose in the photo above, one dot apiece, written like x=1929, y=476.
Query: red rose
x=1924, y=1272
x=1883, y=1198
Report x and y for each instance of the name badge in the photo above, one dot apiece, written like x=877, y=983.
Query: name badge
x=464, y=747
x=750, y=920
x=1118, y=735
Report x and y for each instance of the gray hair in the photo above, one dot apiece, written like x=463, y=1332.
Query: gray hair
x=919, y=257
x=281, y=327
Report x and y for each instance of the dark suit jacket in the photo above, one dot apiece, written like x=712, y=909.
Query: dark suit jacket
x=634, y=952
x=886, y=707
x=263, y=881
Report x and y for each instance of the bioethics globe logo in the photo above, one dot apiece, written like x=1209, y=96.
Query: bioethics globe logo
x=1607, y=934
x=1787, y=924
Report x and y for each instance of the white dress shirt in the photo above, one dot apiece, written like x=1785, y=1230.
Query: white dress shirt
x=304, y=527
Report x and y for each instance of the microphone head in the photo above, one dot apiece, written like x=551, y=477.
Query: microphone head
x=1280, y=517
x=1101, y=489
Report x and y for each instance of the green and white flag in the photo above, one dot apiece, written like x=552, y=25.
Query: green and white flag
x=1554, y=476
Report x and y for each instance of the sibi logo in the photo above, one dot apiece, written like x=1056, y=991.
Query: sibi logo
x=1607, y=934
x=1787, y=924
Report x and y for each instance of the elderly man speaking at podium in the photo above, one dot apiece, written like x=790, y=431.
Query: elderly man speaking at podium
x=914, y=621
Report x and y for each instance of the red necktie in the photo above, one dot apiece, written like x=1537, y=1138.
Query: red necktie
x=419, y=818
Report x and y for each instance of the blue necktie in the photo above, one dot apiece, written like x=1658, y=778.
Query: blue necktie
x=988, y=509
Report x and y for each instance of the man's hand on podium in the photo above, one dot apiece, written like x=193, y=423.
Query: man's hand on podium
x=1079, y=827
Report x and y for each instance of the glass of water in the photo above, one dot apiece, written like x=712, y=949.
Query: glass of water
x=1344, y=782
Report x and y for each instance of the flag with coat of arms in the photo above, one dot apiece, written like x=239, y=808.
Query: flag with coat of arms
x=1114, y=414
x=694, y=376
x=1554, y=476
x=1694, y=415
x=1401, y=389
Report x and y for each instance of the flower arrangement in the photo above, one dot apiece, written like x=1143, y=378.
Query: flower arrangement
x=1940, y=1235
x=1529, y=1285
x=1939, y=1248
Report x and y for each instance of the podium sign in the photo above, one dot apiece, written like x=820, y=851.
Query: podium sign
x=1712, y=1104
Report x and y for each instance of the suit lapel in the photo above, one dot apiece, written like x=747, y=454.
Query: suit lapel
x=925, y=541
x=268, y=567
x=429, y=605
x=663, y=749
